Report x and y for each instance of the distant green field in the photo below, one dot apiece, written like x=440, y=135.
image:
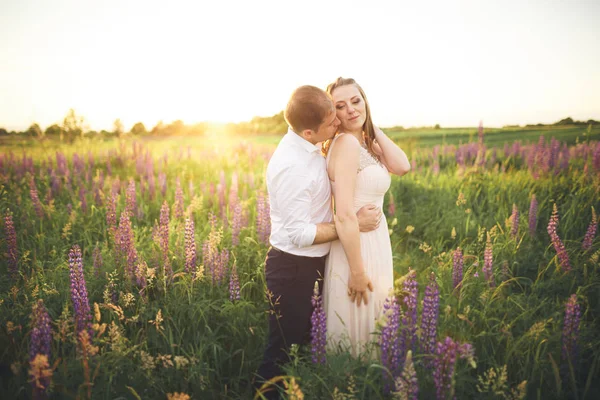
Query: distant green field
x=428, y=137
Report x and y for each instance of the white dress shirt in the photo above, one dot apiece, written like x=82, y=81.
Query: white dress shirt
x=299, y=196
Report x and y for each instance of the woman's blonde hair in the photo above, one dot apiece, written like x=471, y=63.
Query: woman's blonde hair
x=368, y=128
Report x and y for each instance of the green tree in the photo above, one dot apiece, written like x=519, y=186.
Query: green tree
x=53, y=130
x=118, y=128
x=73, y=126
x=35, y=131
x=138, y=129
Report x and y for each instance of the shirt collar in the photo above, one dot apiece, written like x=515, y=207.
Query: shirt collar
x=295, y=139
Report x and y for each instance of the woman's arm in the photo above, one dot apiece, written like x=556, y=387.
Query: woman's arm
x=392, y=156
x=346, y=223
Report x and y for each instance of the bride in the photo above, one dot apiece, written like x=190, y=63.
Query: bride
x=359, y=268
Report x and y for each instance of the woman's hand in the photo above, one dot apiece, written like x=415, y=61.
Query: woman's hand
x=357, y=288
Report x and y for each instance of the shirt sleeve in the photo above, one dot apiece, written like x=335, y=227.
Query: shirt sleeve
x=293, y=195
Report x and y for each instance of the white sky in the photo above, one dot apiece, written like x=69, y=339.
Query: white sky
x=420, y=63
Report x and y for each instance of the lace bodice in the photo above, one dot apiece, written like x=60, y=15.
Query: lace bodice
x=367, y=159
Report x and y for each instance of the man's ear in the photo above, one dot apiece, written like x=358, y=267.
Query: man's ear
x=307, y=134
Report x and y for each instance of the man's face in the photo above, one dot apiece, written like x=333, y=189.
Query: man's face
x=327, y=129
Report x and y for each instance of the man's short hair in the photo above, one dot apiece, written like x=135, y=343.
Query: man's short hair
x=307, y=108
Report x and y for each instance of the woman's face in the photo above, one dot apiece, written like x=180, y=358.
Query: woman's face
x=350, y=108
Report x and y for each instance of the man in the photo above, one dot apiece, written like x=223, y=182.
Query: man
x=301, y=223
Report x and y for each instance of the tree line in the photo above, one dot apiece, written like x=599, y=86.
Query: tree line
x=74, y=126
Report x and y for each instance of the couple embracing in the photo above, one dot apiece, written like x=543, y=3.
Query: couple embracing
x=326, y=221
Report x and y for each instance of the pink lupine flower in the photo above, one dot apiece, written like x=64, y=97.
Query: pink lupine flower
x=178, y=200
x=391, y=206
x=559, y=247
x=570, y=334
x=488, y=272
x=190, y=247
x=11, y=241
x=79, y=295
x=164, y=237
x=457, y=267
x=514, y=219
x=533, y=215
x=130, y=198
x=37, y=204
x=591, y=232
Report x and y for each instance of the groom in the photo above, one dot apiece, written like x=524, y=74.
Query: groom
x=301, y=224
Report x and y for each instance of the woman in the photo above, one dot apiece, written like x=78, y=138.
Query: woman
x=359, y=267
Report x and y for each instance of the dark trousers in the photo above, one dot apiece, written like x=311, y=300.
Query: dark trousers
x=290, y=282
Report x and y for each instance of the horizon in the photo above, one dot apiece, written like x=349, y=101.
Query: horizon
x=448, y=63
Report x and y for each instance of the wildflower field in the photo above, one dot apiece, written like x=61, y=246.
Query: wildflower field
x=133, y=268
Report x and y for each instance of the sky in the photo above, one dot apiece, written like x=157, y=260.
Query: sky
x=421, y=63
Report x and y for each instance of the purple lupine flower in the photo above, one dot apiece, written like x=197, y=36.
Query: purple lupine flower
x=318, y=330
x=436, y=167
x=162, y=182
x=457, y=267
x=591, y=232
x=41, y=340
x=79, y=295
x=111, y=214
x=222, y=261
x=37, y=204
x=54, y=183
x=98, y=185
x=236, y=223
x=488, y=271
x=233, y=191
x=596, y=157
x=514, y=219
x=11, y=241
x=559, y=247
x=164, y=236
x=151, y=186
x=208, y=257
x=391, y=205
x=263, y=219
x=190, y=247
x=429, y=316
x=409, y=317
x=389, y=341
x=447, y=353
x=126, y=244
x=234, y=285
x=41, y=332
x=480, y=131
x=130, y=198
x=570, y=333
x=97, y=255
x=407, y=386
x=554, y=153
x=178, y=200
x=533, y=206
